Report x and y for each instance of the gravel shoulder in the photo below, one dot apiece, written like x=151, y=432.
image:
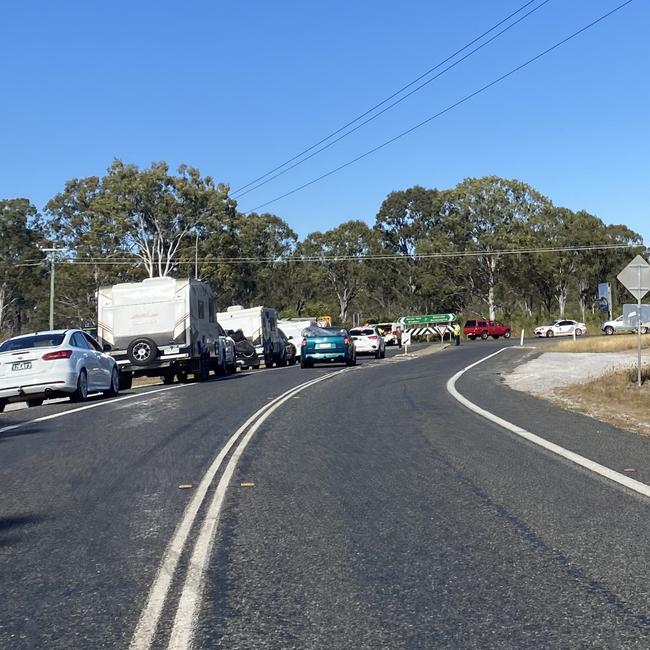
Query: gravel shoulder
x=588, y=383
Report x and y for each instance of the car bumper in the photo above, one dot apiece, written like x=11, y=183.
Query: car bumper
x=41, y=389
x=326, y=356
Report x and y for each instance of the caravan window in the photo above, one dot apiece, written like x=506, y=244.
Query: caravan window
x=211, y=311
x=201, y=310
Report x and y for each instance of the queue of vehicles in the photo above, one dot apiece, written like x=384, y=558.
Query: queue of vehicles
x=167, y=328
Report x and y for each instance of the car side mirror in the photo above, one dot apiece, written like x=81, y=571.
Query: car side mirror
x=289, y=338
x=107, y=347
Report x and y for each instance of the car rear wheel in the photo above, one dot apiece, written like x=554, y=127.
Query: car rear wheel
x=484, y=335
x=81, y=393
x=644, y=330
x=114, y=389
x=579, y=332
x=609, y=330
x=507, y=334
x=549, y=334
x=34, y=402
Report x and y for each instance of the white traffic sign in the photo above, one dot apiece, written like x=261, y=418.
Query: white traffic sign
x=406, y=337
x=635, y=277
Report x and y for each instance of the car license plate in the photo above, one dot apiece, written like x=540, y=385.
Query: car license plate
x=324, y=346
x=173, y=349
x=21, y=365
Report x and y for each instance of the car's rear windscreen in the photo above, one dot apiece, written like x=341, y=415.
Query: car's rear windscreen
x=36, y=341
x=367, y=332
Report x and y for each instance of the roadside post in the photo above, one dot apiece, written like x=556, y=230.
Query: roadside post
x=635, y=277
x=406, y=340
x=521, y=342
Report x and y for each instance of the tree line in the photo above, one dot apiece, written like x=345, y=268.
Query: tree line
x=489, y=247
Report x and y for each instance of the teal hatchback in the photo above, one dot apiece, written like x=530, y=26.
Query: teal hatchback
x=327, y=345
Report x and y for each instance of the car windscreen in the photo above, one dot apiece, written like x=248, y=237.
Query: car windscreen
x=470, y=323
x=36, y=341
x=314, y=330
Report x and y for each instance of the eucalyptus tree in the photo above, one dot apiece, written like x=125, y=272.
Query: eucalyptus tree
x=22, y=273
x=340, y=254
x=488, y=216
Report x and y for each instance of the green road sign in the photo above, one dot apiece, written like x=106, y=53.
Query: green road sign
x=427, y=319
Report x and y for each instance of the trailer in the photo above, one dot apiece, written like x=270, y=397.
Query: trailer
x=161, y=327
x=293, y=328
x=260, y=326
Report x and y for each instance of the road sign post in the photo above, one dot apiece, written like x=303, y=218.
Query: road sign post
x=635, y=277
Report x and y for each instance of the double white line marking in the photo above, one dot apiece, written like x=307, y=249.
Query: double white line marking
x=190, y=599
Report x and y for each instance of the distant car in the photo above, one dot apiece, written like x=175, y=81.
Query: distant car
x=561, y=327
x=289, y=348
x=391, y=332
x=483, y=328
x=620, y=326
x=368, y=340
x=327, y=345
x=228, y=349
x=56, y=363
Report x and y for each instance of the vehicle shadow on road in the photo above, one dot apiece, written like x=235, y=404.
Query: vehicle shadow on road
x=20, y=430
x=11, y=528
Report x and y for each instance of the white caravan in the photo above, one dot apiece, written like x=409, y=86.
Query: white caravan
x=260, y=326
x=161, y=327
x=293, y=328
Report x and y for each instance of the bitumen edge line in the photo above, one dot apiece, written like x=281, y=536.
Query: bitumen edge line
x=586, y=463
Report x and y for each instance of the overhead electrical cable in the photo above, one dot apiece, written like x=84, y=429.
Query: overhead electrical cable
x=445, y=110
x=393, y=104
x=102, y=261
x=387, y=99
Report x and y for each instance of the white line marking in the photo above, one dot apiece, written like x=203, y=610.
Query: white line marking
x=103, y=402
x=148, y=623
x=591, y=465
x=190, y=600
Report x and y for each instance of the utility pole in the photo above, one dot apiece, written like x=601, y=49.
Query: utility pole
x=196, y=257
x=52, y=256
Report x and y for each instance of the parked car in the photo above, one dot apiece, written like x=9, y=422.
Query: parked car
x=368, y=340
x=561, y=327
x=289, y=348
x=621, y=325
x=392, y=333
x=56, y=363
x=293, y=329
x=327, y=345
x=483, y=328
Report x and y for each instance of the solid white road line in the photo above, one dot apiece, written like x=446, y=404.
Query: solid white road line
x=150, y=616
x=597, y=468
x=94, y=405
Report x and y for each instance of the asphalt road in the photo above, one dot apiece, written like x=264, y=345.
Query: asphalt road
x=370, y=510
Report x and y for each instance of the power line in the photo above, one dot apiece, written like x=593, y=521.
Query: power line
x=443, y=111
x=102, y=261
x=390, y=106
x=384, y=101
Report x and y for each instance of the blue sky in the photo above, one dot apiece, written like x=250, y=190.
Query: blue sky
x=237, y=88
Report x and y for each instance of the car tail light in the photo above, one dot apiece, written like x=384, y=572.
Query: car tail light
x=304, y=342
x=59, y=354
x=373, y=337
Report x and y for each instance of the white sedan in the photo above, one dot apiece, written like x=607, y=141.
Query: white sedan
x=368, y=340
x=561, y=327
x=57, y=363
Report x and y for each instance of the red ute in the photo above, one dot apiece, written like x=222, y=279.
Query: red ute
x=483, y=328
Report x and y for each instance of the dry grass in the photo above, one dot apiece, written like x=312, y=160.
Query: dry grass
x=614, y=398
x=616, y=343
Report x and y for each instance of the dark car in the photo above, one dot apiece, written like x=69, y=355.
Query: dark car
x=327, y=345
x=289, y=348
x=483, y=328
